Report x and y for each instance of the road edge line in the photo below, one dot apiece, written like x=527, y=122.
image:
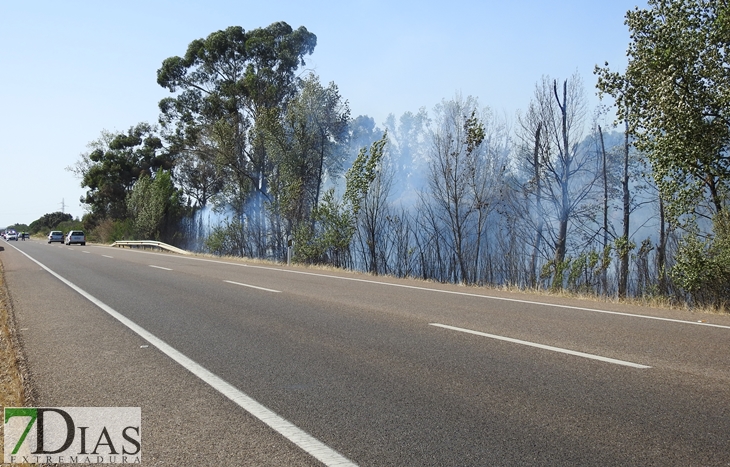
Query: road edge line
x=288, y=430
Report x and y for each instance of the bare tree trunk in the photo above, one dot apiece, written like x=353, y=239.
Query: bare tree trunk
x=538, y=204
x=624, y=256
x=564, y=215
x=661, y=250
x=604, y=279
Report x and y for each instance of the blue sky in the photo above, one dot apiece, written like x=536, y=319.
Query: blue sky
x=70, y=69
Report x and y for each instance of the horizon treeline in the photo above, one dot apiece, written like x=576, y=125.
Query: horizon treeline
x=555, y=198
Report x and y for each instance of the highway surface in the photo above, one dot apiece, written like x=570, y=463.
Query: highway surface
x=253, y=364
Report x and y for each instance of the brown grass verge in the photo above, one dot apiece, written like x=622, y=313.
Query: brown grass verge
x=655, y=301
x=14, y=382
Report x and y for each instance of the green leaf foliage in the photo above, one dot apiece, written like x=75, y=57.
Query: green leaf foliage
x=49, y=222
x=154, y=204
x=702, y=266
x=113, y=170
x=675, y=95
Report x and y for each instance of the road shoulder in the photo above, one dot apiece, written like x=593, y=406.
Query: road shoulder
x=77, y=355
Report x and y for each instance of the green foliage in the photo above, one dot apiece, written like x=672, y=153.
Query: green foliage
x=229, y=87
x=623, y=247
x=306, y=146
x=110, y=230
x=702, y=267
x=66, y=226
x=329, y=241
x=48, y=222
x=153, y=205
x=114, y=166
x=554, y=271
x=475, y=133
x=675, y=95
x=361, y=175
x=227, y=239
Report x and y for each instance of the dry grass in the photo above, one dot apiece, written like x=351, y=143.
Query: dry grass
x=647, y=301
x=14, y=388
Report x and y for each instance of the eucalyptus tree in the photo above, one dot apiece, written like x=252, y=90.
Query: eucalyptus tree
x=227, y=86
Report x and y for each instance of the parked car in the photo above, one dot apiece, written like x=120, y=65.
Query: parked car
x=11, y=235
x=76, y=236
x=55, y=236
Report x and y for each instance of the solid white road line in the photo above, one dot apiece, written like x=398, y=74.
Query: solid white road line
x=107, y=256
x=544, y=347
x=254, y=287
x=296, y=435
x=159, y=267
x=453, y=292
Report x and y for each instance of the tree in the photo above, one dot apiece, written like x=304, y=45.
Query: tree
x=198, y=174
x=534, y=149
x=48, y=222
x=675, y=96
x=227, y=86
x=703, y=266
x=561, y=171
x=464, y=175
x=409, y=146
x=115, y=164
x=328, y=238
x=308, y=145
x=155, y=205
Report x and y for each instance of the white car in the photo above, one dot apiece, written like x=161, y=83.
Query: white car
x=11, y=235
x=76, y=236
x=55, y=236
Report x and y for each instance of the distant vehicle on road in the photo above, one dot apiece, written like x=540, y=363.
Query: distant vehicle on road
x=76, y=236
x=55, y=236
x=11, y=235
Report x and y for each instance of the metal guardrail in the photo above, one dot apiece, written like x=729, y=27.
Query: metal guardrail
x=144, y=244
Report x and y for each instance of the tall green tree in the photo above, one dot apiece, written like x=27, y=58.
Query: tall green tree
x=675, y=95
x=328, y=238
x=117, y=161
x=226, y=86
x=155, y=206
x=308, y=147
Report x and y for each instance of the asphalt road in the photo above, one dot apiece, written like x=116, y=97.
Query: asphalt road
x=378, y=371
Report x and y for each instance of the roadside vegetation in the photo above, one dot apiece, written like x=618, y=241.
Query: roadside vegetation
x=51, y=221
x=253, y=153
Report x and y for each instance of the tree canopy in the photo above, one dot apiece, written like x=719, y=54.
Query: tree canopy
x=675, y=95
x=115, y=164
x=226, y=86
